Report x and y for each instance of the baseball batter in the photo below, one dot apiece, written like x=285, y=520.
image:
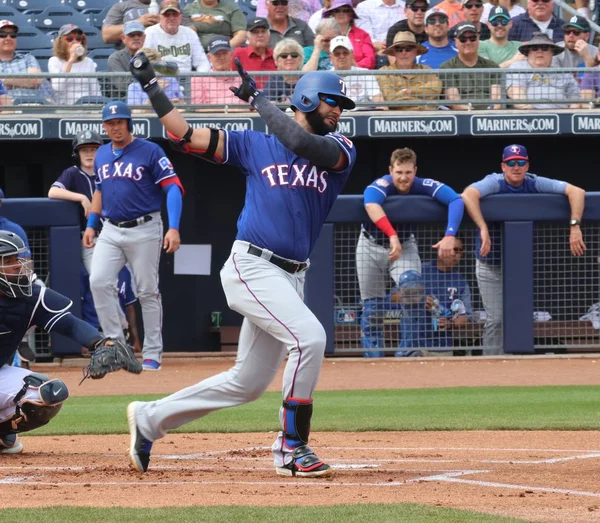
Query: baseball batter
x=384, y=250
x=514, y=179
x=292, y=180
x=131, y=176
x=29, y=400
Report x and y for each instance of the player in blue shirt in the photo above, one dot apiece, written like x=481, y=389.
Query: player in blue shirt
x=446, y=308
x=514, y=179
x=132, y=177
x=384, y=251
x=293, y=177
x=29, y=400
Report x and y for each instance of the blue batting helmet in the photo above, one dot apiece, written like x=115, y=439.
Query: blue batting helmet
x=116, y=109
x=311, y=85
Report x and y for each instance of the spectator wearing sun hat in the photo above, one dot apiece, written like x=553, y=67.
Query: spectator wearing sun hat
x=415, y=86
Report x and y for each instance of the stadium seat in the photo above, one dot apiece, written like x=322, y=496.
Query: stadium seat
x=42, y=56
x=30, y=100
x=10, y=13
x=248, y=13
x=30, y=38
x=95, y=19
x=91, y=100
x=94, y=38
x=53, y=18
x=32, y=5
x=250, y=4
x=103, y=52
x=80, y=5
x=101, y=65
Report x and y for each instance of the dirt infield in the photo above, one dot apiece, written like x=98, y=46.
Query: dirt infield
x=541, y=476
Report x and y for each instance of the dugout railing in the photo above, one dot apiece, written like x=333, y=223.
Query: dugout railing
x=550, y=298
x=381, y=90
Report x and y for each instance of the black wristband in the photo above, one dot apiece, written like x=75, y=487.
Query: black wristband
x=161, y=103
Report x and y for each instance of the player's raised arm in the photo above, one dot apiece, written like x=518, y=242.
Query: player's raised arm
x=204, y=143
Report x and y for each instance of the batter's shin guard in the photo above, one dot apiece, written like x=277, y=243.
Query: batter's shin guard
x=296, y=421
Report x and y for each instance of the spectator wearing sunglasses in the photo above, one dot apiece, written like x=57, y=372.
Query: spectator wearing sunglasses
x=545, y=90
x=345, y=16
x=361, y=88
x=578, y=51
x=539, y=17
x=24, y=64
x=282, y=25
x=316, y=57
x=440, y=47
x=512, y=6
x=453, y=9
x=472, y=11
x=415, y=86
x=289, y=56
x=66, y=59
x=376, y=17
x=256, y=56
x=499, y=48
x=415, y=22
x=476, y=85
x=515, y=178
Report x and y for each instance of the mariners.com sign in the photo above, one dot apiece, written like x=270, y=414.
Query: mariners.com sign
x=30, y=129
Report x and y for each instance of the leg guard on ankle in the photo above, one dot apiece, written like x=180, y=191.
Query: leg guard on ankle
x=296, y=421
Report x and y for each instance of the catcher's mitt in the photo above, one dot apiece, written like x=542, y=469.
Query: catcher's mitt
x=109, y=356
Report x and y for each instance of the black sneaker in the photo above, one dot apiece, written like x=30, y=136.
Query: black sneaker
x=305, y=464
x=140, y=447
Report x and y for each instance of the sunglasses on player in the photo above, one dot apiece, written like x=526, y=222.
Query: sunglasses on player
x=331, y=102
x=513, y=163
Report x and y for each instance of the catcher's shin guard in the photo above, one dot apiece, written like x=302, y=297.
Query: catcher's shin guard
x=297, y=414
x=31, y=413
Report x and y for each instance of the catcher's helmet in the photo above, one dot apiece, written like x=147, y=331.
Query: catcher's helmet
x=311, y=85
x=411, y=288
x=82, y=138
x=116, y=109
x=15, y=278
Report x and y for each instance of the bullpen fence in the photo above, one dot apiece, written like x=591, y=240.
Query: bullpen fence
x=548, y=300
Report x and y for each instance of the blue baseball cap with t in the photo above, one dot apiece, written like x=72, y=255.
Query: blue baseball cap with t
x=515, y=152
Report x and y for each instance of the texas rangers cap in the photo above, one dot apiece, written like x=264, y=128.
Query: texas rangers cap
x=514, y=152
x=8, y=23
x=133, y=26
x=499, y=12
x=256, y=23
x=580, y=22
x=218, y=43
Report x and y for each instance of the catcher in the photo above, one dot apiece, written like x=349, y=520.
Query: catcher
x=28, y=399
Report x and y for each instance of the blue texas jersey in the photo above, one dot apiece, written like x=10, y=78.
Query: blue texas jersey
x=129, y=179
x=496, y=184
x=7, y=225
x=43, y=308
x=380, y=189
x=287, y=198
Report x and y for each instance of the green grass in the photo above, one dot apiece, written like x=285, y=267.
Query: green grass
x=409, y=513
x=466, y=408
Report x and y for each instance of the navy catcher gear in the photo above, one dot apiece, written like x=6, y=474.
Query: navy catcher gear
x=116, y=109
x=82, y=138
x=16, y=276
x=311, y=85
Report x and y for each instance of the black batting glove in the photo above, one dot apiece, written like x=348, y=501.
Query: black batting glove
x=247, y=91
x=143, y=72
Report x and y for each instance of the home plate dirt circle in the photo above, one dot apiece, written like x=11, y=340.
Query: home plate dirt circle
x=544, y=476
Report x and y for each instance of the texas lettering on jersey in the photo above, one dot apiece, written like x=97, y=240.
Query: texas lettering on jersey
x=121, y=169
x=302, y=175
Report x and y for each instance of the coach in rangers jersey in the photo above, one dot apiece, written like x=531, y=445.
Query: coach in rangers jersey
x=132, y=174
x=514, y=179
x=293, y=177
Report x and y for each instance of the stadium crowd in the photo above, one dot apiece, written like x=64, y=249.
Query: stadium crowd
x=295, y=36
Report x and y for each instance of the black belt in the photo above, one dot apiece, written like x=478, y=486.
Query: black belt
x=282, y=263
x=383, y=243
x=131, y=223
